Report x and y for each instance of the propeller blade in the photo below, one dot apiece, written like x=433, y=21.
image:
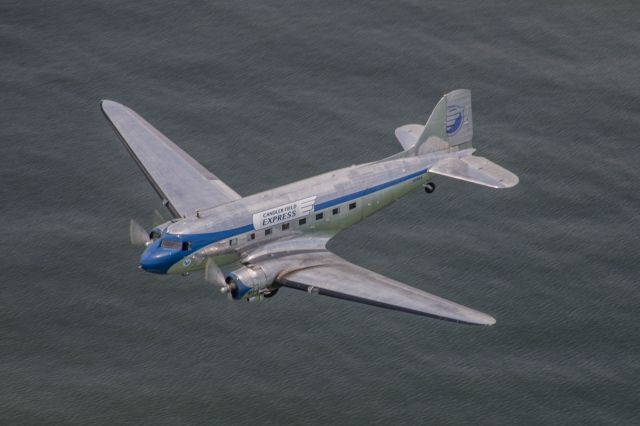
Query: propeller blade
x=214, y=275
x=137, y=234
x=157, y=218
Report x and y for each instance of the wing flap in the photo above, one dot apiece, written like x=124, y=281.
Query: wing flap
x=338, y=278
x=476, y=170
x=183, y=184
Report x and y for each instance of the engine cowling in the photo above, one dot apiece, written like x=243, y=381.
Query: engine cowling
x=251, y=283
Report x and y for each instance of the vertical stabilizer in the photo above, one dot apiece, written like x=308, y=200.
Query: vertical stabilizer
x=450, y=124
x=436, y=124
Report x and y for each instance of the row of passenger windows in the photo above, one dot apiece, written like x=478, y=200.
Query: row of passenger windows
x=303, y=221
x=185, y=246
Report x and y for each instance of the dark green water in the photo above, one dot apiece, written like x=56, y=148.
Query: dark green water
x=266, y=94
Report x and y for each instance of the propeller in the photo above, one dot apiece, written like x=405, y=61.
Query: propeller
x=140, y=236
x=157, y=218
x=137, y=234
x=213, y=275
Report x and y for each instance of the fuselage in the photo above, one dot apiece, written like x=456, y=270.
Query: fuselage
x=321, y=205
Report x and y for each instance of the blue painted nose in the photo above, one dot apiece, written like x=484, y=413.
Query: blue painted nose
x=156, y=260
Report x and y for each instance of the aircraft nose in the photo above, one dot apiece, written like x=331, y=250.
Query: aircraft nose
x=154, y=260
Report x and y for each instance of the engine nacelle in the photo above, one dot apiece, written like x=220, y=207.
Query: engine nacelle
x=251, y=283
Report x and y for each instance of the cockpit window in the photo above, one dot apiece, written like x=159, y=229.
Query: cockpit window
x=171, y=244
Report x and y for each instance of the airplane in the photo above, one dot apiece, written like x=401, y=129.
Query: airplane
x=250, y=247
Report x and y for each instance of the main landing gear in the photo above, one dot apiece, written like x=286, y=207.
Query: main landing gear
x=429, y=187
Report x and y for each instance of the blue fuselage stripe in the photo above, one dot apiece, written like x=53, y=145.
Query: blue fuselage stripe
x=199, y=241
x=221, y=235
x=355, y=195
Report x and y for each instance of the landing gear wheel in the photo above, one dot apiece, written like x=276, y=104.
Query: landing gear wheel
x=429, y=187
x=271, y=293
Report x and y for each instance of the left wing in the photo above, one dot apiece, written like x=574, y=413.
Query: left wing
x=183, y=184
x=323, y=272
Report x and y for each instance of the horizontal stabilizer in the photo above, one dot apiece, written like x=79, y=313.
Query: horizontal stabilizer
x=476, y=170
x=408, y=135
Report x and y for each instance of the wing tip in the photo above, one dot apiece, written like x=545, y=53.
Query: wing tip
x=473, y=317
x=107, y=106
x=489, y=321
x=476, y=318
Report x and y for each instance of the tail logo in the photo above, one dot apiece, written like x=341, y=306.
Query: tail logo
x=455, y=116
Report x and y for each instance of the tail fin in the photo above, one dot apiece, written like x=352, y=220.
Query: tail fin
x=450, y=124
x=451, y=121
x=450, y=128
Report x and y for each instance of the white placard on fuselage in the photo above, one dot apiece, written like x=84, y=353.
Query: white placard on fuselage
x=284, y=213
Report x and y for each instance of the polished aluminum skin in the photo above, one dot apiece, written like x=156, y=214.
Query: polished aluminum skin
x=252, y=246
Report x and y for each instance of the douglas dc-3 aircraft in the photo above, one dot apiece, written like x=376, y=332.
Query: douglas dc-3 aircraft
x=252, y=246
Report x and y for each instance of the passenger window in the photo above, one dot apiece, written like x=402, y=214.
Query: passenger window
x=302, y=221
x=336, y=210
x=186, y=246
x=267, y=231
x=319, y=216
x=285, y=226
x=352, y=206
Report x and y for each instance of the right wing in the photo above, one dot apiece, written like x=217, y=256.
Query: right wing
x=182, y=183
x=325, y=273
